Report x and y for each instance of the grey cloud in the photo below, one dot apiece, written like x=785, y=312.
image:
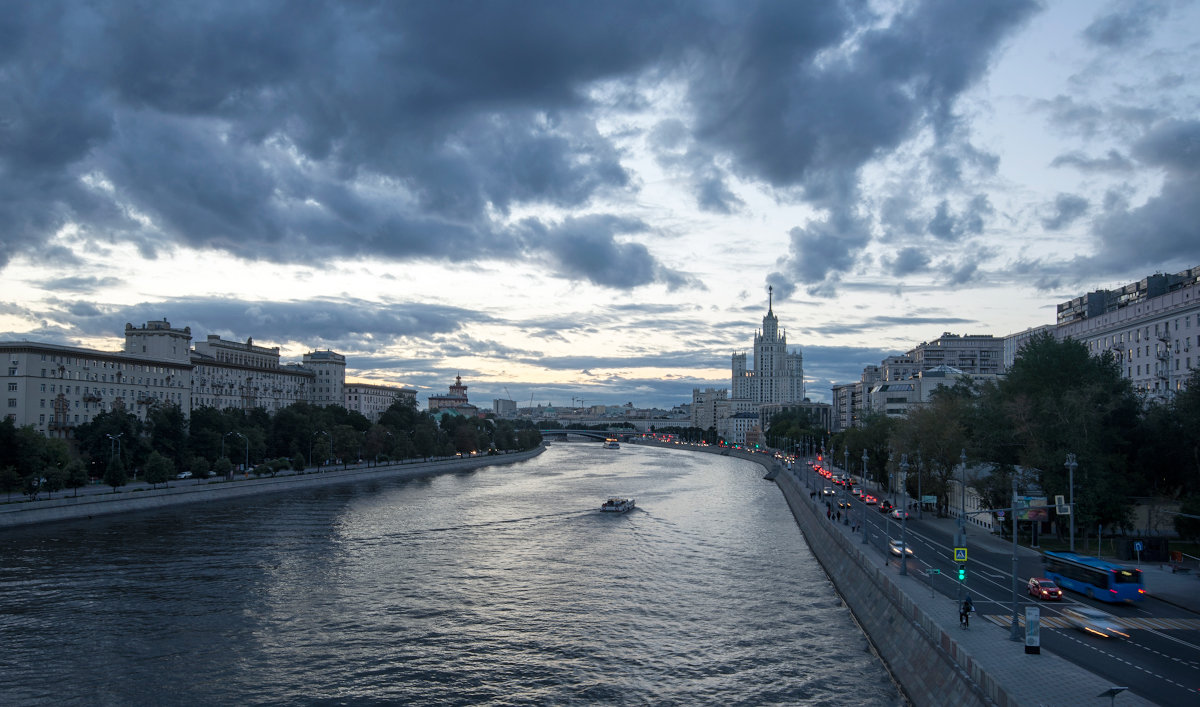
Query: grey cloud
x=1113, y=161
x=586, y=247
x=947, y=226
x=1130, y=23
x=962, y=273
x=1164, y=229
x=1067, y=209
x=908, y=261
x=79, y=283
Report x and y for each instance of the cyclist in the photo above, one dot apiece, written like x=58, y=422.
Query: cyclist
x=964, y=612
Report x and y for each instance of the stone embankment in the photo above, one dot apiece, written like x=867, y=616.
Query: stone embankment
x=183, y=492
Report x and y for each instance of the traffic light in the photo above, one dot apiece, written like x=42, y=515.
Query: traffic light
x=962, y=572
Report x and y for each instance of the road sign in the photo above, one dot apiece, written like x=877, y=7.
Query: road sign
x=1000, y=515
x=960, y=554
x=1063, y=510
x=1137, y=545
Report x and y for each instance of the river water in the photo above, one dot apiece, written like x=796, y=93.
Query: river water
x=503, y=585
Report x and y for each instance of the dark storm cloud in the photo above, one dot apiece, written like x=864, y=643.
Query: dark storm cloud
x=804, y=120
x=328, y=322
x=1129, y=23
x=1067, y=208
x=586, y=247
x=1166, y=228
x=284, y=131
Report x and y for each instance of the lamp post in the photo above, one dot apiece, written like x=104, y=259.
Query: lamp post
x=246, y=466
x=920, y=498
x=863, y=505
x=1014, y=633
x=903, y=520
x=114, y=439
x=1071, y=464
x=962, y=519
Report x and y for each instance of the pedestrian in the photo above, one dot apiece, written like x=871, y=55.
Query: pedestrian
x=839, y=516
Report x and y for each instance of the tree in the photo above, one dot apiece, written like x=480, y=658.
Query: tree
x=53, y=479
x=10, y=480
x=223, y=468
x=167, y=428
x=76, y=476
x=159, y=469
x=114, y=474
x=1189, y=528
x=199, y=467
x=937, y=433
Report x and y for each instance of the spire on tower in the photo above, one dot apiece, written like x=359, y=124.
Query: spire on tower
x=770, y=297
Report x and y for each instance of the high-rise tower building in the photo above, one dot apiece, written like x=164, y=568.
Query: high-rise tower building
x=778, y=374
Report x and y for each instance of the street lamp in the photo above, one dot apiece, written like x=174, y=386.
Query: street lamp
x=863, y=505
x=1071, y=464
x=246, y=466
x=903, y=520
x=114, y=439
x=961, y=541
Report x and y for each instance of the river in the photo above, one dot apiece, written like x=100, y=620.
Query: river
x=503, y=585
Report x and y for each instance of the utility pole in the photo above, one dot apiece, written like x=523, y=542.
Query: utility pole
x=904, y=520
x=1071, y=464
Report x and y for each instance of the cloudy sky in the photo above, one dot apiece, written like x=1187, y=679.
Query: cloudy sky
x=588, y=200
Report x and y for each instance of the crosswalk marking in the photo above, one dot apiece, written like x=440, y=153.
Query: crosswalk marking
x=1158, y=624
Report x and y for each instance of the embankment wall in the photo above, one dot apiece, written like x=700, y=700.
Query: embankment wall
x=184, y=492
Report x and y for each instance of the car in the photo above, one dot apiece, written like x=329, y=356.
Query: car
x=895, y=545
x=900, y=515
x=843, y=503
x=827, y=491
x=184, y=475
x=856, y=491
x=869, y=500
x=885, y=506
x=1094, y=621
x=1042, y=588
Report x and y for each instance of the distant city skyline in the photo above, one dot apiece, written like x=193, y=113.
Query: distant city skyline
x=563, y=201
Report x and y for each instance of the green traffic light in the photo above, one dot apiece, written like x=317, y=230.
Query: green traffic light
x=962, y=573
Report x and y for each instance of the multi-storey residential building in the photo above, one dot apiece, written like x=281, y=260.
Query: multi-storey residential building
x=1152, y=326
x=56, y=388
x=1014, y=342
x=843, y=407
x=778, y=374
x=242, y=376
x=898, y=368
x=820, y=413
x=896, y=399
x=970, y=353
x=705, y=406
x=329, y=384
x=372, y=400
x=504, y=408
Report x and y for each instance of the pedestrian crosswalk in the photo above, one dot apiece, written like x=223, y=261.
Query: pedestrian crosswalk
x=1052, y=621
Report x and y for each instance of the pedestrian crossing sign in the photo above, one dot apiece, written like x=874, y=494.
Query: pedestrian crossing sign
x=960, y=554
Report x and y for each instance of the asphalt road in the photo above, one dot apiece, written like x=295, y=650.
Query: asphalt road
x=1160, y=661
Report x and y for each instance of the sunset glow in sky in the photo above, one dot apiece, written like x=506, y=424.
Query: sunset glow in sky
x=588, y=200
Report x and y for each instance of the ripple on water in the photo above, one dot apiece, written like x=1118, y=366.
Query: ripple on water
x=502, y=586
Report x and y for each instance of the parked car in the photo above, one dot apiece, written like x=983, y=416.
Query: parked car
x=1042, y=588
x=184, y=475
x=895, y=545
x=1094, y=621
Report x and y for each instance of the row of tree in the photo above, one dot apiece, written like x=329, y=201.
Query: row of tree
x=1056, y=400
x=116, y=444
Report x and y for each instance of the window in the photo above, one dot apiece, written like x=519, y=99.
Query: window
x=12, y=387
x=12, y=402
x=12, y=371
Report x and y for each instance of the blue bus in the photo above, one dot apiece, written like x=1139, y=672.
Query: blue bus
x=1098, y=579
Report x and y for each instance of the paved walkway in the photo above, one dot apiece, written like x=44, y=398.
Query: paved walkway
x=1031, y=679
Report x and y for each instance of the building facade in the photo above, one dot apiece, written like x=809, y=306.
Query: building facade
x=1151, y=326
x=970, y=353
x=778, y=374
x=56, y=388
x=371, y=399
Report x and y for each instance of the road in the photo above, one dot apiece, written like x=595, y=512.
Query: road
x=1160, y=661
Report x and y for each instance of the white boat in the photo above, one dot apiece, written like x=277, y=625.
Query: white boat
x=617, y=505
x=612, y=443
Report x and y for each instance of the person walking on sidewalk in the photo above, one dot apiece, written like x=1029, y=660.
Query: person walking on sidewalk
x=964, y=613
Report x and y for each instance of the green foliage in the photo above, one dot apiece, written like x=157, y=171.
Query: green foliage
x=223, y=467
x=76, y=475
x=159, y=469
x=114, y=474
x=1189, y=528
x=10, y=480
